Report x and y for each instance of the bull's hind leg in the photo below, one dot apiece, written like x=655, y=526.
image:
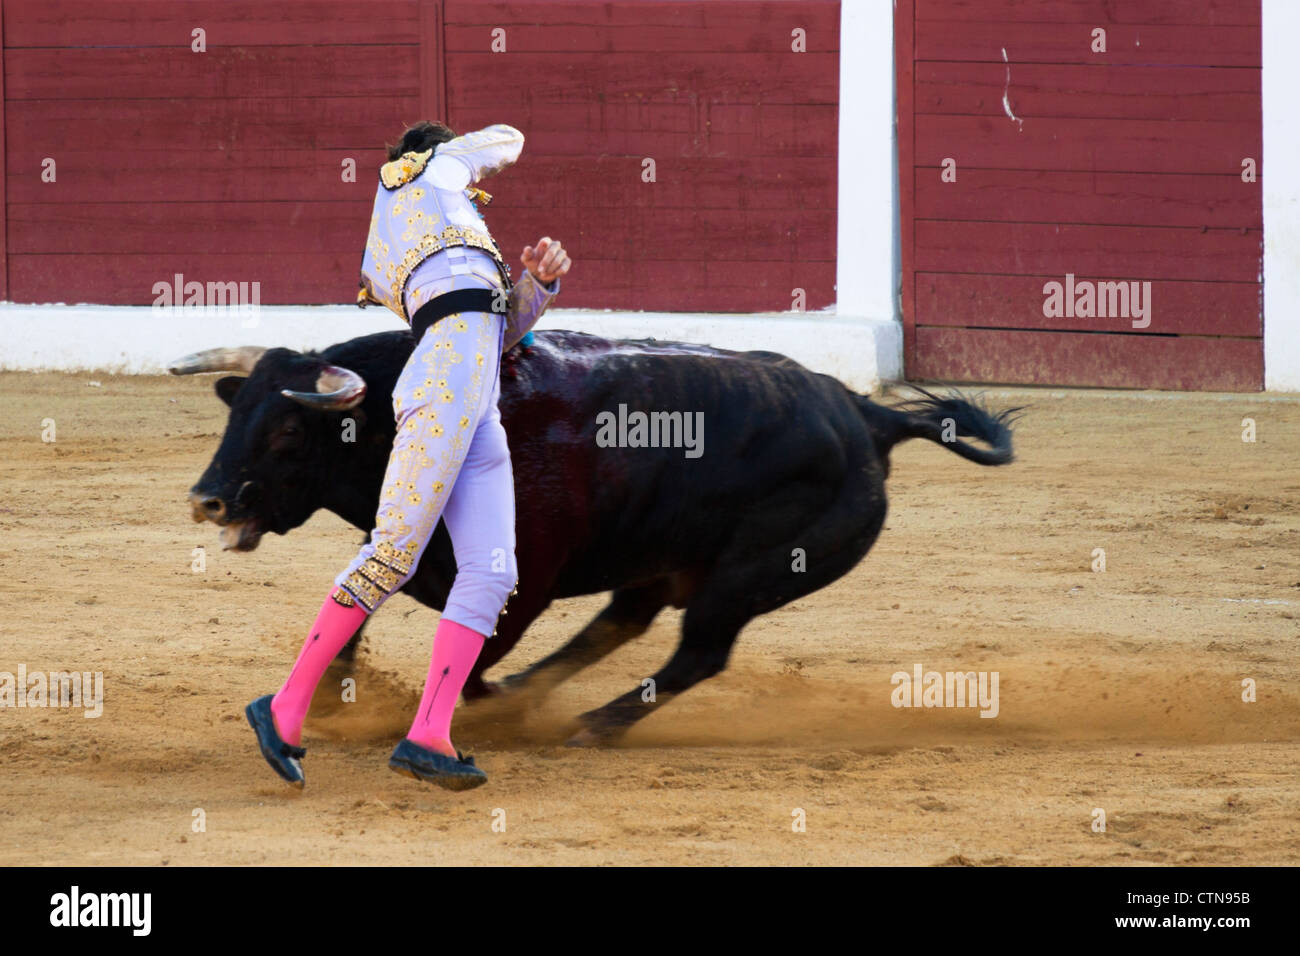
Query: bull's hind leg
x=628, y=615
x=745, y=583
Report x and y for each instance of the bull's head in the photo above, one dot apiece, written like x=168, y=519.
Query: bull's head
x=269, y=470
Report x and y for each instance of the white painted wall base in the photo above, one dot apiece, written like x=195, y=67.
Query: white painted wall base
x=1279, y=176
x=142, y=340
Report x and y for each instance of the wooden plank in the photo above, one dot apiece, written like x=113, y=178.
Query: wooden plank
x=905, y=121
x=1126, y=44
x=1061, y=91
x=716, y=27
x=309, y=123
x=218, y=228
x=653, y=284
x=316, y=278
x=1153, y=199
x=331, y=278
x=150, y=176
x=482, y=79
x=1016, y=302
x=1081, y=359
x=222, y=72
x=1097, y=12
x=228, y=23
x=1086, y=145
x=1045, y=249
x=758, y=235
x=692, y=286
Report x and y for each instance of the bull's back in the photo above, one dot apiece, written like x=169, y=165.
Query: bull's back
x=658, y=451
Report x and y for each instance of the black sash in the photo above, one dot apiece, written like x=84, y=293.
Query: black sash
x=463, y=300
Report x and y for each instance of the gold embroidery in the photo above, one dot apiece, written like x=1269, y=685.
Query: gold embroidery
x=365, y=592
x=422, y=466
x=343, y=597
x=433, y=241
x=385, y=577
x=402, y=170
x=400, y=561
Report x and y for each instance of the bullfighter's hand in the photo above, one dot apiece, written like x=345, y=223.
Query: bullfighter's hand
x=547, y=261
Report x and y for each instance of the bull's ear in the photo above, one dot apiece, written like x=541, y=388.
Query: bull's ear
x=228, y=386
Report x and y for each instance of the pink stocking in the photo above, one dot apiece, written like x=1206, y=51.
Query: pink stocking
x=334, y=625
x=455, y=649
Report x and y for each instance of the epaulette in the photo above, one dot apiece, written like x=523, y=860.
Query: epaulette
x=402, y=170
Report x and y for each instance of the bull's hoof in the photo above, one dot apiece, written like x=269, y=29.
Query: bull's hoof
x=586, y=737
x=480, y=689
x=450, y=773
x=524, y=690
x=594, y=732
x=513, y=682
x=284, y=758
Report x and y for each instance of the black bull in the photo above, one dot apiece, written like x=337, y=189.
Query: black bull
x=786, y=497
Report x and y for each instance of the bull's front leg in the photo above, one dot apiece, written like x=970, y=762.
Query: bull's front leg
x=348, y=655
x=628, y=615
x=524, y=607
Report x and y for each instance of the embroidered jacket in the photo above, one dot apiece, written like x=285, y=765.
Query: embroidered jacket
x=424, y=204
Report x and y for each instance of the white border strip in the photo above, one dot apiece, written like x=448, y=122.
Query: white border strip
x=142, y=340
x=1279, y=173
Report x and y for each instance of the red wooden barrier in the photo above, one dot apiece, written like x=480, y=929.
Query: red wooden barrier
x=226, y=165
x=1123, y=165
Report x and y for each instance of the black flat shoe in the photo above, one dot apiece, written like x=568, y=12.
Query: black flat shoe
x=285, y=759
x=450, y=773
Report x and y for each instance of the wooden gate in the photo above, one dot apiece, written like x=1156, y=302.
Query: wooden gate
x=1129, y=177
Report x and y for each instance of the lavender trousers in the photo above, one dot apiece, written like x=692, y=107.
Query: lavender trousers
x=449, y=460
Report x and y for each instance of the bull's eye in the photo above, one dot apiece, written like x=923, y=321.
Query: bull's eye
x=288, y=437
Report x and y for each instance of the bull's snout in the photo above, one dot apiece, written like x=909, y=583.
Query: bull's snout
x=205, y=507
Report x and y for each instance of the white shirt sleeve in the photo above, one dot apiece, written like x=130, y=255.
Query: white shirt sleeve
x=475, y=156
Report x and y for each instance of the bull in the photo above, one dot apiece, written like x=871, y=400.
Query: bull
x=793, y=464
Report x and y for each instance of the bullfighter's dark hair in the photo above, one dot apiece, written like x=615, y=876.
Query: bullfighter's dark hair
x=423, y=135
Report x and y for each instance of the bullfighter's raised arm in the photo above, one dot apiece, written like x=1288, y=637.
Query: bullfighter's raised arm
x=475, y=156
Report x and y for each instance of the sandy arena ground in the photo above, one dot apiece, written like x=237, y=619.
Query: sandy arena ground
x=1118, y=690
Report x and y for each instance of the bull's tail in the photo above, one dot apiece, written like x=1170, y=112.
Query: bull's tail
x=944, y=419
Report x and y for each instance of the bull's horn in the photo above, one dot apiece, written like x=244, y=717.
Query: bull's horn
x=336, y=389
x=241, y=359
